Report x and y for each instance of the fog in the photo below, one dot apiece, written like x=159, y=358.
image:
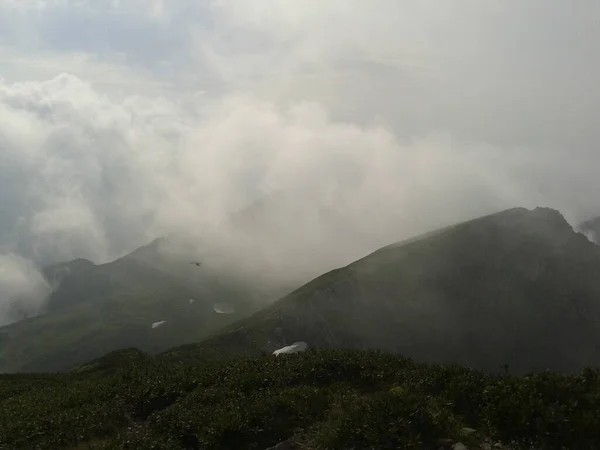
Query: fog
x=22, y=289
x=356, y=123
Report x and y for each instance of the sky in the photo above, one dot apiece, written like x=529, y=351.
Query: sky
x=125, y=120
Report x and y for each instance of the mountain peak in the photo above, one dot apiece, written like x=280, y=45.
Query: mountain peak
x=551, y=215
x=518, y=287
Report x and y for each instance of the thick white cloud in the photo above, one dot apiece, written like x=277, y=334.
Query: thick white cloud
x=92, y=177
x=394, y=116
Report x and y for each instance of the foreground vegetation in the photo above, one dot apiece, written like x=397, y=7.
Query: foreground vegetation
x=317, y=400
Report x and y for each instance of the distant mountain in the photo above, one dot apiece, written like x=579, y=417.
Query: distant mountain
x=252, y=259
x=517, y=289
x=95, y=309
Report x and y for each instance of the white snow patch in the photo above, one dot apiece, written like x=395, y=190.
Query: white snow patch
x=294, y=348
x=224, y=308
x=158, y=324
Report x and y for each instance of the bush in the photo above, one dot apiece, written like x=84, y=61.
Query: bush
x=320, y=399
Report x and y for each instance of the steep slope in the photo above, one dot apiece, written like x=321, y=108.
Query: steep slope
x=95, y=309
x=517, y=288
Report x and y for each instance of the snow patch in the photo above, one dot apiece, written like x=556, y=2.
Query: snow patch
x=224, y=308
x=294, y=348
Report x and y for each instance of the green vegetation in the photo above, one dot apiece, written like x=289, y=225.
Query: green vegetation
x=101, y=308
x=323, y=399
x=61, y=340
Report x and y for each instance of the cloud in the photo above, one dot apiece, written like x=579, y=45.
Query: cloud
x=23, y=289
x=122, y=46
x=93, y=177
x=500, y=74
x=362, y=122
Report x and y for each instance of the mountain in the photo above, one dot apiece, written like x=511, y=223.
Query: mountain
x=255, y=256
x=518, y=289
x=95, y=309
x=515, y=289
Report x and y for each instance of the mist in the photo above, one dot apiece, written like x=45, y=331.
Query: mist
x=353, y=125
x=23, y=289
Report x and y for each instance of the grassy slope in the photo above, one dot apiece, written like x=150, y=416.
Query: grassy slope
x=318, y=400
x=518, y=288
x=62, y=340
x=103, y=308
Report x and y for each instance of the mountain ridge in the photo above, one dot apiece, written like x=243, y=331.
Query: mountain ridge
x=484, y=293
x=416, y=297
x=97, y=308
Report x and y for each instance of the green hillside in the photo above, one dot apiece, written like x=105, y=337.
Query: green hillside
x=96, y=309
x=517, y=288
x=325, y=399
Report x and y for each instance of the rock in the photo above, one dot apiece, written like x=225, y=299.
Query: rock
x=487, y=444
x=466, y=431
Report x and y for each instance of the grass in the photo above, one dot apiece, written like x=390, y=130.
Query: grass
x=325, y=399
x=69, y=337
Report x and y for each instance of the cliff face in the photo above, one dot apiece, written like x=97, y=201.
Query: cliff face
x=519, y=287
